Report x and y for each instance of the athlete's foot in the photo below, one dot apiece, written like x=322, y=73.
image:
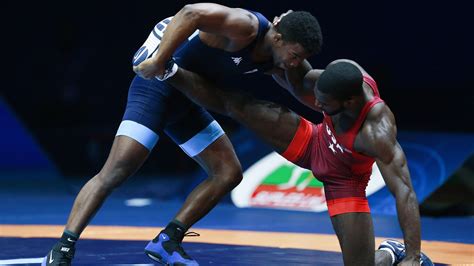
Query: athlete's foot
x=60, y=255
x=166, y=248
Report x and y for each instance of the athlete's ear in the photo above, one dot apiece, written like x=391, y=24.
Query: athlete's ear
x=277, y=37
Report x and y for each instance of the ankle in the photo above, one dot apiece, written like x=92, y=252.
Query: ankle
x=69, y=238
x=175, y=230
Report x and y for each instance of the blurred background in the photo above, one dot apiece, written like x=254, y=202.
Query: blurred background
x=68, y=67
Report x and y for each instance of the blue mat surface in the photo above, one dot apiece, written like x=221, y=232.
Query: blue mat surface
x=110, y=252
x=51, y=205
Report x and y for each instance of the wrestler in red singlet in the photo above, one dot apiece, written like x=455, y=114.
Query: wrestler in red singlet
x=333, y=160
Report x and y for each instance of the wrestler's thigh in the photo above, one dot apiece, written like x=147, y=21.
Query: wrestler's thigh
x=356, y=237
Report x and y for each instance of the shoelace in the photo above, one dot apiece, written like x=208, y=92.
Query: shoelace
x=191, y=234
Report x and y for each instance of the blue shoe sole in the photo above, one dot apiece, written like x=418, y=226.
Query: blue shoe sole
x=156, y=257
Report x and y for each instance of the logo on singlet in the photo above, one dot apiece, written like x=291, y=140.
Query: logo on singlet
x=333, y=145
x=237, y=60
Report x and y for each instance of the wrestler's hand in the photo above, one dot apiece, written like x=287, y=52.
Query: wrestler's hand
x=149, y=69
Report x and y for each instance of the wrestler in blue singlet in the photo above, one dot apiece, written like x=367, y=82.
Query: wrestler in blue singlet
x=154, y=106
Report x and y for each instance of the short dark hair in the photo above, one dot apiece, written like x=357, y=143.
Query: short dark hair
x=341, y=80
x=303, y=28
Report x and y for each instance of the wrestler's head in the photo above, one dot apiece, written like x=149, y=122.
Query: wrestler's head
x=297, y=36
x=337, y=87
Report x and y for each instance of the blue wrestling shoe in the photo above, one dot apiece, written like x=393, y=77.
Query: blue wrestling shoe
x=397, y=251
x=167, y=249
x=395, y=248
x=59, y=255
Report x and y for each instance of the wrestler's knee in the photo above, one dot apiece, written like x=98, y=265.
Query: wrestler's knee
x=115, y=173
x=229, y=174
x=233, y=173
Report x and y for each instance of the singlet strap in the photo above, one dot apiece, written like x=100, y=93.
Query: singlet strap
x=263, y=25
x=363, y=114
x=369, y=80
x=365, y=110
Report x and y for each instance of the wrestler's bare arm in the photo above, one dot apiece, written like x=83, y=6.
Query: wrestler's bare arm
x=300, y=82
x=220, y=24
x=378, y=139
